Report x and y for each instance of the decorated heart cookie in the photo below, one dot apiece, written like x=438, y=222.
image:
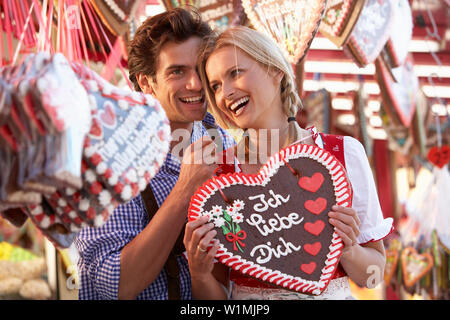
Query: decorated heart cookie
x=273, y=226
x=219, y=14
x=415, y=265
x=291, y=24
x=391, y=265
x=371, y=31
x=399, y=94
x=129, y=137
x=339, y=18
x=439, y=156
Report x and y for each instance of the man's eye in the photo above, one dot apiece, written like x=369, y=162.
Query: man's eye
x=176, y=72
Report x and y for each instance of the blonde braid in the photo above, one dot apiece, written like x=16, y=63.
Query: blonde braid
x=290, y=103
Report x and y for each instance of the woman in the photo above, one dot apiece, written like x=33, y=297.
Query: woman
x=250, y=85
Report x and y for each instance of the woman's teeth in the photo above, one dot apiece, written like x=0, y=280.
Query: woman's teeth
x=236, y=106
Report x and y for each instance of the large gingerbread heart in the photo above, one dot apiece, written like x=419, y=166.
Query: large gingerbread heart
x=291, y=24
x=274, y=225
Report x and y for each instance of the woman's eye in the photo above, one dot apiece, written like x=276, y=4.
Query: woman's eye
x=215, y=87
x=236, y=72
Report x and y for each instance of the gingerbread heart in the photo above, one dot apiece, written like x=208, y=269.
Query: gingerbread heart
x=439, y=156
x=129, y=138
x=371, y=31
x=415, y=265
x=291, y=24
x=339, y=19
x=262, y=224
x=391, y=265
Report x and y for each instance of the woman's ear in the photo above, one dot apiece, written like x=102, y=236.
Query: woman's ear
x=145, y=82
x=277, y=75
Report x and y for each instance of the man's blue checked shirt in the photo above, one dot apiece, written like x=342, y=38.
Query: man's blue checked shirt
x=100, y=248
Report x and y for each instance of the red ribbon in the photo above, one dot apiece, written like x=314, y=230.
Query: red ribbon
x=231, y=237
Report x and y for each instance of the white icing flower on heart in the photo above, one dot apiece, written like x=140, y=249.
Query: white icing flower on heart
x=142, y=184
x=231, y=211
x=90, y=176
x=72, y=214
x=126, y=193
x=123, y=104
x=70, y=191
x=113, y=179
x=98, y=221
x=104, y=198
x=84, y=205
x=219, y=222
x=238, y=217
x=89, y=151
x=217, y=210
x=238, y=205
x=132, y=175
x=101, y=168
x=62, y=202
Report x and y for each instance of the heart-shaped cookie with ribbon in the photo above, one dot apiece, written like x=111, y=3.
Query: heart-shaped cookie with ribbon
x=273, y=226
x=291, y=24
x=415, y=265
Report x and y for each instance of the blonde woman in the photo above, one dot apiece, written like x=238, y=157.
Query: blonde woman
x=250, y=85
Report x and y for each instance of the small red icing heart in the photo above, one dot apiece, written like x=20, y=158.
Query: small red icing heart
x=96, y=129
x=311, y=184
x=439, y=156
x=317, y=206
x=308, y=267
x=312, y=249
x=108, y=116
x=315, y=228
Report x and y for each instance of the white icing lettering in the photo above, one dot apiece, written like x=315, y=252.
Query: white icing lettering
x=273, y=202
x=275, y=224
x=265, y=251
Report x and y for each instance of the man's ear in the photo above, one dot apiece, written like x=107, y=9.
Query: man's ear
x=146, y=83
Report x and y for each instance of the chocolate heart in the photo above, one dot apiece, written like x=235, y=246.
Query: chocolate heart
x=439, y=156
x=291, y=24
x=264, y=229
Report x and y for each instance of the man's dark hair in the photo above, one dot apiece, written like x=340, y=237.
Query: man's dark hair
x=176, y=25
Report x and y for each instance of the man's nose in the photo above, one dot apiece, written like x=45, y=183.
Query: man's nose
x=194, y=83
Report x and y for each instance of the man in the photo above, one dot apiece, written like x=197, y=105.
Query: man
x=125, y=258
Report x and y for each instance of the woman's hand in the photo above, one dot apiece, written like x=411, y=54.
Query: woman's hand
x=346, y=224
x=197, y=238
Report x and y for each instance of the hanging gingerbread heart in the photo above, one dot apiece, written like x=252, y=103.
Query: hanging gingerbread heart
x=391, y=265
x=219, y=14
x=291, y=24
x=439, y=156
x=129, y=137
x=371, y=31
x=339, y=19
x=273, y=226
x=415, y=265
